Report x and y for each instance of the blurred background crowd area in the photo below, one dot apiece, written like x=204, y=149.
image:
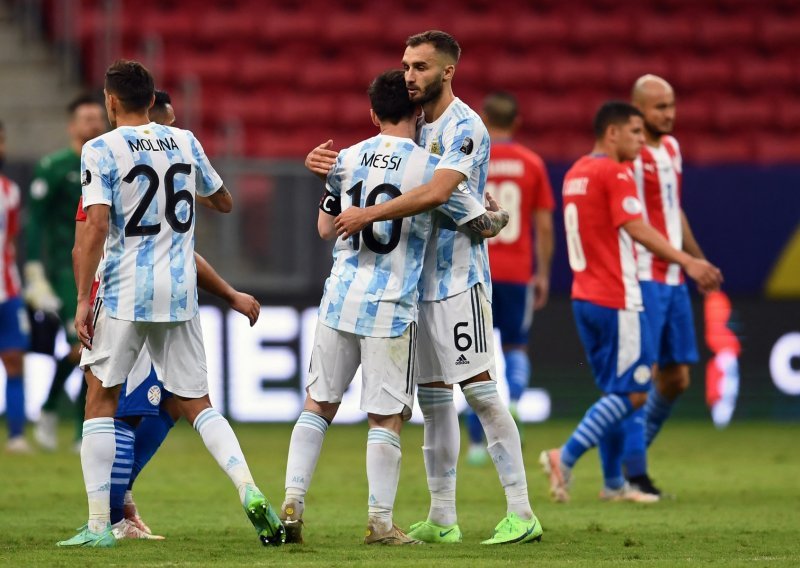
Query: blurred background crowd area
x=261, y=82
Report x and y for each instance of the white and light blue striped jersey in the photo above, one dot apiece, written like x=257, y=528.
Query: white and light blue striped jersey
x=455, y=260
x=373, y=286
x=149, y=176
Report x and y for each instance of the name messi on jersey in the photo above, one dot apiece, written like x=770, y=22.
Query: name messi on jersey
x=382, y=161
x=157, y=145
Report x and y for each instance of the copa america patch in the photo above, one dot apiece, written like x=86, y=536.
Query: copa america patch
x=154, y=395
x=642, y=374
x=632, y=205
x=86, y=178
x=467, y=146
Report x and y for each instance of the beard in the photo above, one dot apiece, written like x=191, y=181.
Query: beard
x=655, y=132
x=430, y=94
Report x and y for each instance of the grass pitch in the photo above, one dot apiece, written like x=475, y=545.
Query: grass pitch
x=737, y=504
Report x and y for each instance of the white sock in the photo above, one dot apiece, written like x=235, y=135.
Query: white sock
x=304, y=449
x=383, y=474
x=442, y=440
x=219, y=438
x=97, y=459
x=503, y=444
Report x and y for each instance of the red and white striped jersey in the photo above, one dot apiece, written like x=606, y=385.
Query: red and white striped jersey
x=9, y=227
x=599, y=198
x=658, y=173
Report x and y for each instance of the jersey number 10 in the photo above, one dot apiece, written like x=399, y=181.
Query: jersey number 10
x=370, y=241
x=133, y=228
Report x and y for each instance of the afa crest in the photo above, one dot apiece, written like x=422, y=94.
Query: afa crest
x=436, y=148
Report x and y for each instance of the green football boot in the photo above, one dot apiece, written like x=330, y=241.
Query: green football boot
x=90, y=539
x=266, y=522
x=428, y=532
x=513, y=529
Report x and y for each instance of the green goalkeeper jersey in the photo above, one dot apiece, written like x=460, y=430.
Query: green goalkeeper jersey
x=50, y=230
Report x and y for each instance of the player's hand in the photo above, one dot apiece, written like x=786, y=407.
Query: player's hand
x=83, y=323
x=541, y=292
x=38, y=292
x=351, y=220
x=707, y=276
x=246, y=305
x=491, y=204
x=321, y=159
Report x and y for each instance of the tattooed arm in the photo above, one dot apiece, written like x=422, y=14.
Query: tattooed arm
x=220, y=200
x=490, y=223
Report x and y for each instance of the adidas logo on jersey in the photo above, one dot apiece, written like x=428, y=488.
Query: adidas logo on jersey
x=462, y=360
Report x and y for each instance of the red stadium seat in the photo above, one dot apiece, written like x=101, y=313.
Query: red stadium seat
x=534, y=29
x=693, y=113
x=625, y=70
x=478, y=28
x=718, y=150
x=570, y=71
x=661, y=31
x=756, y=73
x=261, y=69
x=544, y=113
x=719, y=32
x=771, y=149
x=330, y=76
x=507, y=73
x=738, y=114
x=779, y=31
x=359, y=29
x=291, y=26
x=589, y=28
x=697, y=72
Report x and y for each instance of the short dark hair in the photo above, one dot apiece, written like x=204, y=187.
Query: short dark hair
x=388, y=96
x=441, y=41
x=80, y=100
x=162, y=100
x=132, y=83
x=613, y=112
x=500, y=109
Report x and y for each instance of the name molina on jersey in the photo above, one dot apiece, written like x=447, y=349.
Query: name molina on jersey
x=382, y=161
x=157, y=145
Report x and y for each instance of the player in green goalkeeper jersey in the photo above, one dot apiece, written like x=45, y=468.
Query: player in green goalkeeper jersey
x=50, y=228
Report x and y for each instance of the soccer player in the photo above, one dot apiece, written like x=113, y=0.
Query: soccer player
x=658, y=174
x=148, y=291
x=518, y=180
x=368, y=311
x=49, y=281
x=162, y=111
x=14, y=325
x=603, y=218
x=455, y=313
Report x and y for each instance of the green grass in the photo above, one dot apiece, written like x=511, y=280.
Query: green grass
x=738, y=504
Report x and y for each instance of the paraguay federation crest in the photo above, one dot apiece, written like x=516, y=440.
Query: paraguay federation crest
x=154, y=395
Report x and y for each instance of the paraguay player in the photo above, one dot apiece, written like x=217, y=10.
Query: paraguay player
x=602, y=218
x=148, y=291
x=518, y=180
x=658, y=174
x=14, y=325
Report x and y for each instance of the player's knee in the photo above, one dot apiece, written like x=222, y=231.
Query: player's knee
x=393, y=422
x=13, y=362
x=325, y=409
x=674, y=380
x=637, y=399
x=482, y=396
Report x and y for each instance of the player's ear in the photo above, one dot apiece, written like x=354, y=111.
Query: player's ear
x=374, y=118
x=449, y=71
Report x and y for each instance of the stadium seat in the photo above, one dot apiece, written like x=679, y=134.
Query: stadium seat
x=570, y=71
x=535, y=29
x=771, y=149
x=507, y=73
x=733, y=114
x=627, y=68
x=262, y=69
x=757, y=73
x=694, y=72
x=590, y=28
x=329, y=76
x=653, y=30
x=718, y=150
x=778, y=31
x=715, y=31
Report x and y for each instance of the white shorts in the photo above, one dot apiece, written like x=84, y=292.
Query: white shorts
x=176, y=349
x=456, y=338
x=387, y=369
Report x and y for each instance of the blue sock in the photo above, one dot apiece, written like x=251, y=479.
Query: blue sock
x=656, y=410
x=602, y=416
x=150, y=435
x=15, y=406
x=611, y=447
x=518, y=373
x=474, y=427
x=124, y=436
x=635, y=454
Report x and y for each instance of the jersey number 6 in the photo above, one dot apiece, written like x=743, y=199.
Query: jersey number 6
x=133, y=228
